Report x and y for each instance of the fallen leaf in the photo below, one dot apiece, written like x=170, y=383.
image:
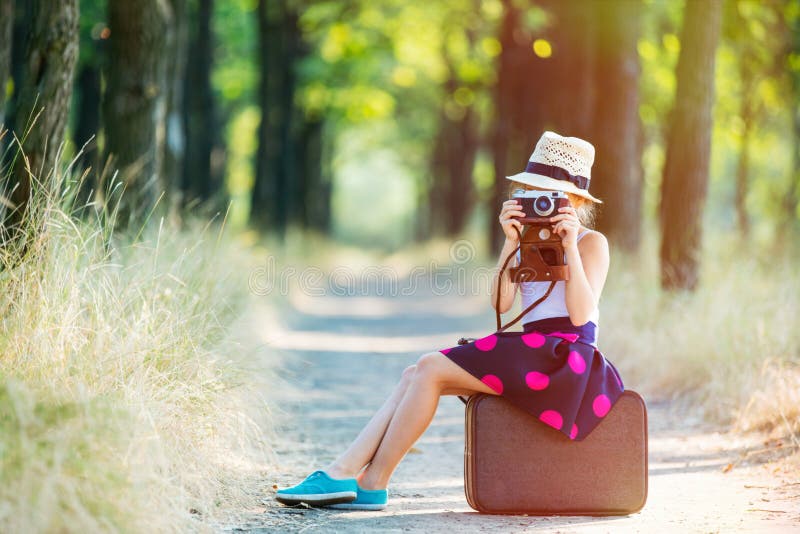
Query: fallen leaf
x=727, y=468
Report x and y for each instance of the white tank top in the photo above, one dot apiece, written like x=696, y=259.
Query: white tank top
x=555, y=305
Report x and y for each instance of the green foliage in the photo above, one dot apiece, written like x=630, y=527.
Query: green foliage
x=93, y=31
x=396, y=67
x=242, y=135
x=386, y=64
x=235, y=75
x=391, y=69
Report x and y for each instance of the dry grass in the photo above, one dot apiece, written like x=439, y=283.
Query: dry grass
x=123, y=406
x=729, y=352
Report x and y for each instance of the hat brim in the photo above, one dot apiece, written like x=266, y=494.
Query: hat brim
x=547, y=182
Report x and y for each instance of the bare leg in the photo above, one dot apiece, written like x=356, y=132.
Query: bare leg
x=434, y=374
x=363, y=448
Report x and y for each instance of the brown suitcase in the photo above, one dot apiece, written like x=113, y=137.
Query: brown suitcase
x=514, y=464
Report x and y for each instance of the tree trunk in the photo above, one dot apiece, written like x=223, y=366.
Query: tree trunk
x=574, y=42
x=502, y=127
x=50, y=58
x=134, y=105
x=313, y=164
x=328, y=150
x=615, y=179
x=743, y=165
x=312, y=210
x=460, y=150
x=274, y=197
x=791, y=202
x=263, y=201
x=6, y=34
x=317, y=195
x=685, y=178
x=87, y=123
x=452, y=161
x=175, y=134
x=791, y=198
x=451, y=191
x=200, y=110
x=21, y=29
x=87, y=127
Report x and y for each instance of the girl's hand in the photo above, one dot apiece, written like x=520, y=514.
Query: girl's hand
x=511, y=208
x=567, y=226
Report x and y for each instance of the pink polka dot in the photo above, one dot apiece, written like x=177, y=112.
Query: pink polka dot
x=552, y=418
x=572, y=338
x=576, y=362
x=533, y=339
x=574, y=432
x=444, y=351
x=601, y=405
x=537, y=380
x=486, y=343
x=494, y=382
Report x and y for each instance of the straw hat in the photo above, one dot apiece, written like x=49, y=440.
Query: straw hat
x=560, y=163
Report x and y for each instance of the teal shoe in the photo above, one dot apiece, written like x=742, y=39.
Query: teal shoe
x=366, y=500
x=318, y=489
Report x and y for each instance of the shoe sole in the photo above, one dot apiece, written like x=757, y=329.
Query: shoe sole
x=351, y=506
x=319, y=499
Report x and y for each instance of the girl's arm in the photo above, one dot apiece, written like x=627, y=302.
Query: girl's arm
x=588, y=266
x=508, y=289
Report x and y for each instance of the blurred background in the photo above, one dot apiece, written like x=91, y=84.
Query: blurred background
x=384, y=123
x=357, y=132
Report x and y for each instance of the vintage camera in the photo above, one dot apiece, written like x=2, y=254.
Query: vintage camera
x=542, y=257
x=540, y=204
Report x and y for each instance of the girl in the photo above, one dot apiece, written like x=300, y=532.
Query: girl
x=551, y=369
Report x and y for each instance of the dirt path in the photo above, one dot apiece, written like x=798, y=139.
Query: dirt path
x=341, y=357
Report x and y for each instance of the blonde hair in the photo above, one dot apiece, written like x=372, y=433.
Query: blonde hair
x=582, y=205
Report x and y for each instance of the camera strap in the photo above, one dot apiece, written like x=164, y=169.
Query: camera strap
x=499, y=282
x=464, y=398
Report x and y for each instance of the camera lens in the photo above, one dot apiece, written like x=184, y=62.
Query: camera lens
x=543, y=206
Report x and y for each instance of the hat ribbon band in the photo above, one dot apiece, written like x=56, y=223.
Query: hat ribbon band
x=558, y=173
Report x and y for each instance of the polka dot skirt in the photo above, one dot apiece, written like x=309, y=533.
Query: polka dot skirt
x=552, y=370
